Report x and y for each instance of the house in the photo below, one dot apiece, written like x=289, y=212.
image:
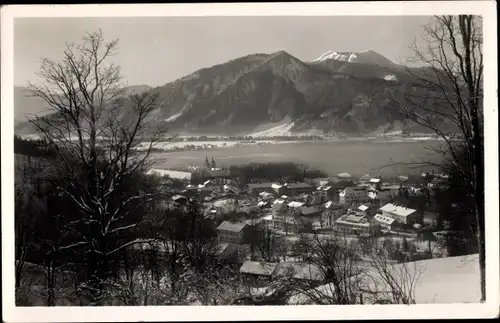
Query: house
x=264, y=204
x=295, y=189
x=299, y=271
x=231, y=232
x=375, y=183
x=278, y=206
x=362, y=210
x=255, y=188
x=331, y=212
x=278, y=189
x=325, y=193
x=401, y=214
x=353, y=195
x=256, y=273
x=295, y=205
x=266, y=196
x=381, y=197
x=354, y=224
x=227, y=251
x=365, y=179
x=386, y=222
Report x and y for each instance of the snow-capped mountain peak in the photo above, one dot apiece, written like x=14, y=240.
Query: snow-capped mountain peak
x=365, y=57
x=345, y=57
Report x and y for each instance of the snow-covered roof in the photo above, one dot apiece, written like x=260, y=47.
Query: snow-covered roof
x=328, y=204
x=397, y=210
x=258, y=268
x=284, y=197
x=178, y=197
x=268, y=217
x=279, y=201
x=230, y=226
x=299, y=270
x=344, y=175
x=295, y=204
x=260, y=185
x=353, y=218
x=171, y=173
x=374, y=180
x=384, y=219
x=276, y=186
x=261, y=203
x=363, y=208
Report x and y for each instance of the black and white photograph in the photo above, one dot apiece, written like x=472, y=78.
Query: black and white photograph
x=225, y=156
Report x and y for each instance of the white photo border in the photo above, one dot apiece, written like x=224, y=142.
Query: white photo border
x=490, y=308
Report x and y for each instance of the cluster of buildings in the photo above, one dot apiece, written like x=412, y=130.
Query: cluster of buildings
x=365, y=206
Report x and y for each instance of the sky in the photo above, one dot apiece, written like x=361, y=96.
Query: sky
x=158, y=50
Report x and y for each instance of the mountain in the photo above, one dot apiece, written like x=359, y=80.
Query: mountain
x=336, y=93
x=365, y=57
x=26, y=105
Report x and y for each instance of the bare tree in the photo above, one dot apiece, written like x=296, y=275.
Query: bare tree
x=335, y=262
x=387, y=281
x=102, y=140
x=450, y=95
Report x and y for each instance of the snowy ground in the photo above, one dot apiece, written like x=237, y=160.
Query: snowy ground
x=443, y=280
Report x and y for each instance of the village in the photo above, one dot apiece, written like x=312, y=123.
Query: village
x=356, y=209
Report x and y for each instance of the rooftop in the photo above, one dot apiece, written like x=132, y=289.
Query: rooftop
x=363, y=208
x=258, y=268
x=261, y=185
x=231, y=226
x=344, y=175
x=383, y=219
x=299, y=270
x=397, y=210
x=310, y=210
x=295, y=204
x=298, y=185
x=352, y=218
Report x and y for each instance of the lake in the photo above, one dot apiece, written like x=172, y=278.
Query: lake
x=354, y=157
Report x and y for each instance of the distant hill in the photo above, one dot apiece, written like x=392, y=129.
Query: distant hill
x=337, y=93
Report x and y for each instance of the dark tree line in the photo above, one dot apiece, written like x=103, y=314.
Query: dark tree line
x=279, y=172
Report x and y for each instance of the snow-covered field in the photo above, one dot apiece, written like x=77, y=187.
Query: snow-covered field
x=442, y=280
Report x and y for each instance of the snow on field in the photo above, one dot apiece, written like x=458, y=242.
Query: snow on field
x=442, y=280
x=280, y=130
x=173, y=117
x=170, y=173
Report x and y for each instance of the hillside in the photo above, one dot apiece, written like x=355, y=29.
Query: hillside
x=337, y=93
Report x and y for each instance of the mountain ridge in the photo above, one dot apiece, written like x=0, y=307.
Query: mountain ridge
x=330, y=95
